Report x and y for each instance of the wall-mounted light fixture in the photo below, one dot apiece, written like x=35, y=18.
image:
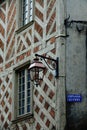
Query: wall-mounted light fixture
x=36, y=67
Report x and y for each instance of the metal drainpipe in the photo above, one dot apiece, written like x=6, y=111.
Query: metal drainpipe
x=86, y=55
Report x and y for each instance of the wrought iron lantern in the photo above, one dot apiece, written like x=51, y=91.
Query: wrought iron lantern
x=37, y=68
x=36, y=71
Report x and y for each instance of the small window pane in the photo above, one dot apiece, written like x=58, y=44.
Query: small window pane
x=19, y=95
x=23, y=88
x=22, y=102
x=23, y=80
x=23, y=95
x=28, y=92
x=28, y=85
x=23, y=110
x=28, y=76
x=28, y=108
x=28, y=100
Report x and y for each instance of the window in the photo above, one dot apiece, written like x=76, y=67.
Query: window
x=23, y=90
x=27, y=11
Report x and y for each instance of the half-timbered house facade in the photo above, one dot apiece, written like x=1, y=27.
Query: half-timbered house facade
x=27, y=27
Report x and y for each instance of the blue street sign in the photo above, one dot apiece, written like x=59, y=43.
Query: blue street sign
x=74, y=98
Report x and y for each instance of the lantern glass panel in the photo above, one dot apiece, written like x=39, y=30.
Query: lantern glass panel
x=32, y=73
x=36, y=71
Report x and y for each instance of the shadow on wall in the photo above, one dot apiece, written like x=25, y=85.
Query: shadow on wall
x=82, y=125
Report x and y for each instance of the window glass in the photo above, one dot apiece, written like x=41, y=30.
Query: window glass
x=27, y=11
x=28, y=92
x=24, y=92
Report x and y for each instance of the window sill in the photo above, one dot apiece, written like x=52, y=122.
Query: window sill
x=23, y=118
x=24, y=27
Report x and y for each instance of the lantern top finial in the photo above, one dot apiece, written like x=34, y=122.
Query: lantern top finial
x=36, y=64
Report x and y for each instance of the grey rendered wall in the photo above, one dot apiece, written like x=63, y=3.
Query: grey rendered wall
x=76, y=73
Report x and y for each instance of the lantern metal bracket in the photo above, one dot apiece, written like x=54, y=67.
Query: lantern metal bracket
x=51, y=59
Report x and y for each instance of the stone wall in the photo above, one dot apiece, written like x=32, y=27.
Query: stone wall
x=76, y=64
